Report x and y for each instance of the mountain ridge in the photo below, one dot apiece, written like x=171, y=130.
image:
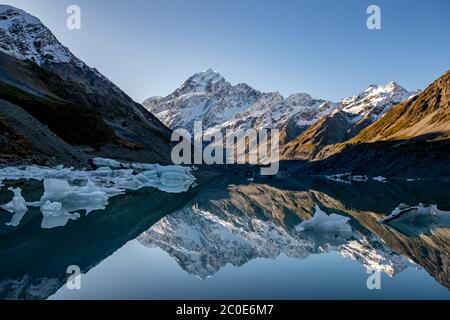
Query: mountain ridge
x=41, y=76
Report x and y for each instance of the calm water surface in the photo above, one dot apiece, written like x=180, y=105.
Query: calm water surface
x=233, y=239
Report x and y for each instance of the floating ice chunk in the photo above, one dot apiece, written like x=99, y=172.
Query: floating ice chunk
x=144, y=166
x=102, y=162
x=322, y=222
x=404, y=212
x=102, y=172
x=52, y=209
x=54, y=216
x=111, y=178
x=17, y=205
x=129, y=184
x=89, y=197
x=417, y=220
x=173, y=179
x=380, y=179
x=359, y=178
x=340, y=177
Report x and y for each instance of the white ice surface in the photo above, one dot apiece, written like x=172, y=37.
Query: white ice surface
x=67, y=191
x=405, y=212
x=321, y=222
x=17, y=206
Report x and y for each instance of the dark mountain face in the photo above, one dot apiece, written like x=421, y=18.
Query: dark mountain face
x=78, y=104
x=331, y=129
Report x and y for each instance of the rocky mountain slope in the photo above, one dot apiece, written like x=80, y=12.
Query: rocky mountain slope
x=291, y=115
x=208, y=97
x=354, y=114
x=78, y=104
x=412, y=139
x=306, y=124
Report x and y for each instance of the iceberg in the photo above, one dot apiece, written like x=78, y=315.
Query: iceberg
x=110, y=163
x=54, y=215
x=416, y=220
x=359, y=178
x=380, y=179
x=17, y=205
x=112, y=175
x=347, y=178
x=403, y=211
x=340, y=177
x=88, y=198
x=90, y=190
x=321, y=222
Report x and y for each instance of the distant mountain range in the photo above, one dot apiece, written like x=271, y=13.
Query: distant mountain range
x=411, y=139
x=384, y=130
x=55, y=109
x=354, y=114
x=302, y=120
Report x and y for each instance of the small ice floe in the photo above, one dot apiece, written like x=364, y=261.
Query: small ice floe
x=17, y=205
x=321, y=222
x=74, y=198
x=54, y=215
x=340, y=177
x=112, y=174
x=415, y=220
x=410, y=180
x=347, y=178
x=380, y=179
x=110, y=163
x=359, y=178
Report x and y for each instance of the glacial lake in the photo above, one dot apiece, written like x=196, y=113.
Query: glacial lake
x=229, y=238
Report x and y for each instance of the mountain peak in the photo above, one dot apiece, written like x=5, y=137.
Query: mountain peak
x=206, y=76
x=9, y=12
x=24, y=37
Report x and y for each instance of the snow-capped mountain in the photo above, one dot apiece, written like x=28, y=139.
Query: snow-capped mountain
x=35, y=66
x=206, y=97
x=352, y=116
x=24, y=37
x=375, y=101
x=209, y=98
x=291, y=115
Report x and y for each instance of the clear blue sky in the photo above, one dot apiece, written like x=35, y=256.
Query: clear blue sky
x=149, y=47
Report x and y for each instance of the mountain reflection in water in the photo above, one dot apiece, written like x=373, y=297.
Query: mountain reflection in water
x=230, y=221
